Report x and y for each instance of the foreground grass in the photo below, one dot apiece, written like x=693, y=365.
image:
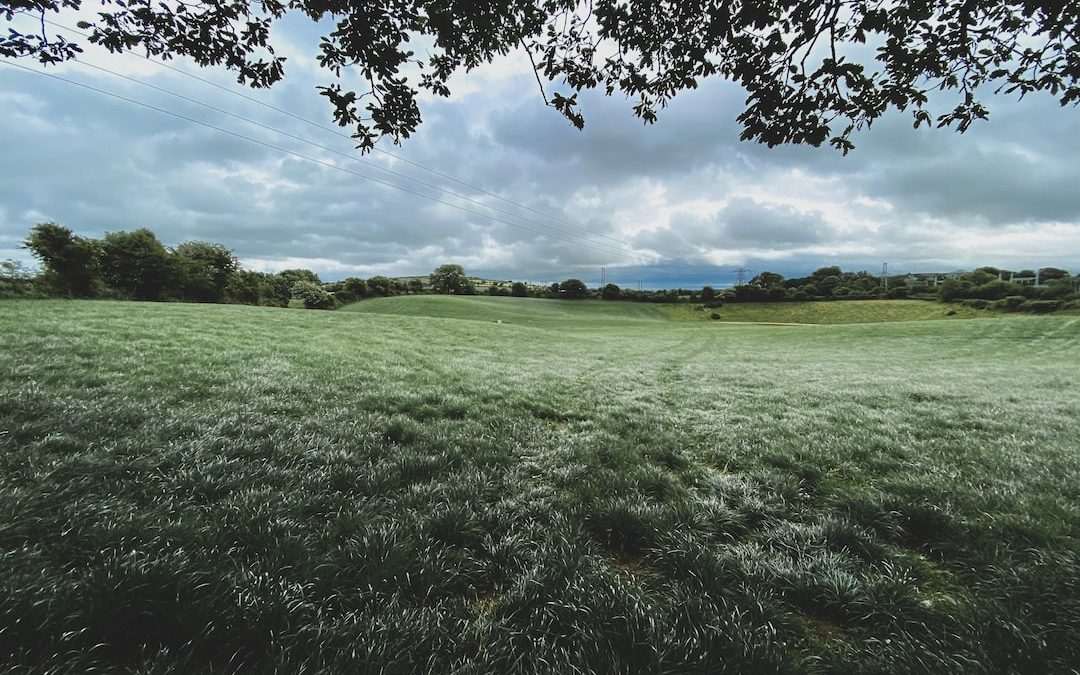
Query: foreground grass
x=188, y=488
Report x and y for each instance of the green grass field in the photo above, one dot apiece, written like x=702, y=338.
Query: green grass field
x=583, y=487
x=571, y=313
x=845, y=311
x=567, y=314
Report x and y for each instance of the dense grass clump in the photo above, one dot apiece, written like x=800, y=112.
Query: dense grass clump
x=217, y=488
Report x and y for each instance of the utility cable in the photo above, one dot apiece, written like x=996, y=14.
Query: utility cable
x=294, y=153
x=352, y=157
x=331, y=130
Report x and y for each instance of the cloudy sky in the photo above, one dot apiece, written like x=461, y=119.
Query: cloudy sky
x=682, y=202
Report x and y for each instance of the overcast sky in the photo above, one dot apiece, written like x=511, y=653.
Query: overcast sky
x=681, y=202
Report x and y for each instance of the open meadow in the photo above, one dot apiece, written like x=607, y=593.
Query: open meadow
x=410, y=486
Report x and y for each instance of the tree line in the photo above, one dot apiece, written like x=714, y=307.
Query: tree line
x=1045, y=289
x=135, y=265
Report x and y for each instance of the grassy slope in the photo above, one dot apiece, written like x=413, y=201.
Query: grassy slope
x=569, y=313
x=230, y=487
x=845, y=311
x=520, y=311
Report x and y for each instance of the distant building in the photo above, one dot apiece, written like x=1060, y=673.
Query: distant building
x=1025, y=281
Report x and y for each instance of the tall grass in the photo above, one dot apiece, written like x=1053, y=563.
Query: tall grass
x=192, y=488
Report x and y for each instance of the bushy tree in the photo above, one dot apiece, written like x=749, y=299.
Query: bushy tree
x=1051, y=273
x=812, y=72
x=70, y=261
x=767, y=279
x=449, y=280
x=826, y=272
x=380, y=286
x=610, y=292
x=519, y=290
x=292, y=276
x=313, y=295
x=135, y=263
x=15, y=279
x=203, y=270
x=573, y=289
x=951, y=290
x=357, y=289
x=255, y=288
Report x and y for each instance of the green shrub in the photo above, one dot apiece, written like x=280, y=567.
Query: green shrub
x=1043, y=306
x=313, y=295
x=1011, y=303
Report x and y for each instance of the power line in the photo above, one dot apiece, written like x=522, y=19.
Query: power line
x=293, y=153
x=354, y=158
x=595, y=245
x=346, y=136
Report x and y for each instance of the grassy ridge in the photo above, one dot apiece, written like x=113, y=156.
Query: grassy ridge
x=847, y=311
x=521, y=311
x=567, y=313
x=230, y=488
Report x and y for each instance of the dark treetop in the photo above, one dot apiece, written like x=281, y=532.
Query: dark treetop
x=813, y=70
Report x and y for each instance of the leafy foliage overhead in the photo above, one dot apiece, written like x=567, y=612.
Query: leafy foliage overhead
x=813, y=71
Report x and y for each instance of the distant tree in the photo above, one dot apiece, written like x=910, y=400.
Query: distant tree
x=294, y=275
x=708, y=294
x=380, y=286
x=519, y=290
x=863, y=283
x=15, y=279
x=952, y=289
x=554, y=290
x=277, y=291
x=1051, y=273
x=748, y=293
x=135, y=263
x=767, y=279
x=1057, y=288
x=70, y=262
x=992, y=290
x=416, y=285
x=610, y=292
x=573, y=289
x=449, y=280
x=357, y=289
x=203, y=270
x=250, y=288
x=979, y=277
x=826, y=272
x=313, y=295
